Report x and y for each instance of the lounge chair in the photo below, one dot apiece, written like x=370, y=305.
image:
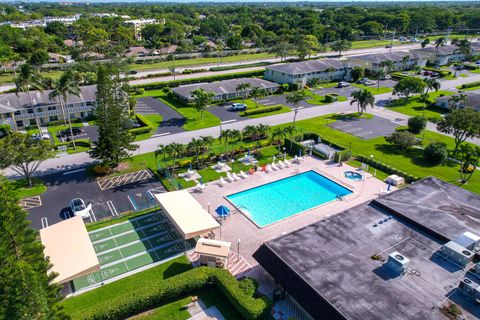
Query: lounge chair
x=297, y=159
x=274, y=167
x=200, y=187
x=268, y=168
x=234, y=175
x=284, y=163
x=190, y=172
x=231, y=176
x=221, y=182
x=288, y=163
x=243, y=174
x=280, y=164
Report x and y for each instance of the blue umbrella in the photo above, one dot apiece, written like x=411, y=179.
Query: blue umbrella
x=248, y=152
x=201, y=180
x=222, y=211
x=388, y=186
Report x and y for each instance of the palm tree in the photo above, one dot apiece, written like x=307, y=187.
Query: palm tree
x=28, y=78
x=65, y=86
x=235, y=135
x=201, y=100
x=257, y=93
x=278, y=134
x=418, y=70
x=380, y=74
x=457, y=100
x=249, y=132
x=439, y=42
x=289, y=131
x=225, y=136
x=196, y=145
x=405, y=59
x=387, y=66
x=295, y=98
x=362, y=98
x=262, y=130
x=431, y=84
x=242, y=88
x=175, y=150
x=161, y=150
x=464, y=47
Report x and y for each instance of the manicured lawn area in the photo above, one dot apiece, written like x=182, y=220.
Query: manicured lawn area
x=364, y=44
x=319, y=100
x=410, y=161
x=379, y=174
x=76, y=306
x=468, y=89
x=200, y=61
x=53, y=130
x=23, y=190
x=373, y=89
x=155, y=120
x=8, y=78
x=413, y=107
x=193, y=117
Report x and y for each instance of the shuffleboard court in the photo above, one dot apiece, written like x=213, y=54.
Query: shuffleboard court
x=132, y=244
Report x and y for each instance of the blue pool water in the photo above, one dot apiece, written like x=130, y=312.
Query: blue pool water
x=281, y=199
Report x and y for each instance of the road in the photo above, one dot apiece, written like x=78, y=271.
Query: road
x=145, y=73
x=74, y=161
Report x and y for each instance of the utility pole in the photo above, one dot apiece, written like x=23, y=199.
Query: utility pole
x=393, y=37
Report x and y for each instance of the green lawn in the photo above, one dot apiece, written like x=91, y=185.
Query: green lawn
x=378, y=173
x=155, y=120
x=76, y=305
x=413, y=107
x=319, y=100
x=200, y=61
x=373, y=89
x=193, y=117
x=468, y=89
x=410, y=161
x=365, y=44
x=8, y=78
x=53, y=130
x=23, y=190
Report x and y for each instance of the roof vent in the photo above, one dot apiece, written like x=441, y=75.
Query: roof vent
x=397, y=262
x=457, y=253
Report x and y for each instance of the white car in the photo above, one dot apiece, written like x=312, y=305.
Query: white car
x=343, y=84
x=79, y=208
x=366, y=82
x=238, y=106
x=43, y=136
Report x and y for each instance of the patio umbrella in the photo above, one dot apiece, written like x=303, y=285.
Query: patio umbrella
x=222, y=211
x=201, y=180
x=248, y=152
x=190, y=166
x=300, y=152
x=388, y=186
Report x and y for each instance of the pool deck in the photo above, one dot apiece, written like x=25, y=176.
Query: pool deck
x=238, y=226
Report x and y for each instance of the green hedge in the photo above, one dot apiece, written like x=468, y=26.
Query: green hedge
x=344, y=155
x=240, y=66
x=471, y=66
x=143, y=121
x=261, y=110
x=79, y=143
x=398, y=76
x=141, y=130
x=293, y=147
x=331, y=98
x=470, y=85
x=441, y=72
x=168, y=290
x=146, y=125
x=176, y=83
x=388, y=169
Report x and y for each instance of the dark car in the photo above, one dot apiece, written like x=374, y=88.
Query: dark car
x=66, y=132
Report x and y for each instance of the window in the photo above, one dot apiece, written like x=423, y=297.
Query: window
x=19, y=123
x=53, y=118
x=30, y=110
x=33, y=122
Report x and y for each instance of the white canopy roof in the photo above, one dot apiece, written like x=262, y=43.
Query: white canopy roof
x=186, y=213
x=70, y=250
x=214, y=248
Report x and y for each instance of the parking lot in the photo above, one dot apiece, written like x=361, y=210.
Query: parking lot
x=366, y=128
x=130, y=245
x=109, y=197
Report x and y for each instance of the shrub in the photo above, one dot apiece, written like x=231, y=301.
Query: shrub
x=331, y=98
x=143, y=121
x=436, y=153
x=470, y=85
x=101, y=169
x=387, y=168
x=417, y=124
x=140, y=91
x=160, y=292
x=343, y=155
x=249, y=286
x=141, y=130
x=261, y=110
x=402, y=139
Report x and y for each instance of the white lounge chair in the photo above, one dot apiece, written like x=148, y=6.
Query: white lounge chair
x=268, y=168
x=280, y=164
x=200, y=187
x=243, y=174
x=284, y=163
x=297, y=159
x=288, y=163
x=231, y=177
x=222, y=181
x=234, y=175
x=274, y=167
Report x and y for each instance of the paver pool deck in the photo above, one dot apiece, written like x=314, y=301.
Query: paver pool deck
x=239, y=227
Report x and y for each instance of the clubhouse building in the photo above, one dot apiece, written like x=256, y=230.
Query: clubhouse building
x=226, y=89
x=408, y=254
x=304, y=72
x=27, y=109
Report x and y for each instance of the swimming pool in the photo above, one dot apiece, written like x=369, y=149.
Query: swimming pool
x=284, y=198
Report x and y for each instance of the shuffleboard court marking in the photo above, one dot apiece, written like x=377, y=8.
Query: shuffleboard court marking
x=124, y=179
x=31, y=202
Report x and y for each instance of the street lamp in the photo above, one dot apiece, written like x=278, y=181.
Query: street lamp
x=284, y=154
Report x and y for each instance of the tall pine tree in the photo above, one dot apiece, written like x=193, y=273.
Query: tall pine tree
x=26, y=288
x=112, y=112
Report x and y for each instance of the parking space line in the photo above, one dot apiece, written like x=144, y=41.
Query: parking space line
x=30, y=202
x=92, y=214
x=112, y=208
x=74, y=171
x=44, y=222
x=228, y=121
x=135, y=207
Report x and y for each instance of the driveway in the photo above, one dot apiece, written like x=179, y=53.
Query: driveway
x=282, y=99
x=225, y=114
x=134, y=194
x=172, y=120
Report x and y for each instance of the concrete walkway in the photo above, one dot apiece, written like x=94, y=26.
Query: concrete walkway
x=74, y=161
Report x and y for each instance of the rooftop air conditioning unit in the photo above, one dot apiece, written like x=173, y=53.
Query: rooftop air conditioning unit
x=468, y=240
x=470, y=289
x=477, y=267
x=457, y=253
x=397, y=262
